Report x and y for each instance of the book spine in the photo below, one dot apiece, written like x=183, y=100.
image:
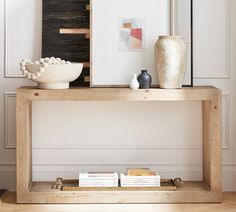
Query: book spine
x=133, y=186
x=85, y=175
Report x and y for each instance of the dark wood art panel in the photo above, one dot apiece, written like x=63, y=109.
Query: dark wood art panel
x=69, y=14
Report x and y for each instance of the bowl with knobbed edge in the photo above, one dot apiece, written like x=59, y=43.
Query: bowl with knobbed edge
x=52, y=73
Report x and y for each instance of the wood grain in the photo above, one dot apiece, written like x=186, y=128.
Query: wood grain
x=24, y=144
x=76, y=31
x=59, y=14
x=228, y=205
x=3, y=193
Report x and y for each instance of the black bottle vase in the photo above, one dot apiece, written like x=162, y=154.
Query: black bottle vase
x=145, y=80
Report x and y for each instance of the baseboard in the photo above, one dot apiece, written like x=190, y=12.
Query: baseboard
x=8, y=177
x=229, y=176
x=3, y=193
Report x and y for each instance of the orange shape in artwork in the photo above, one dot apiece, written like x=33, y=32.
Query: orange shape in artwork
x=137, y=33
x=127, y=25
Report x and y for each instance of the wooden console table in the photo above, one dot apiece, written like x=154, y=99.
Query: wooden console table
x=209, y=190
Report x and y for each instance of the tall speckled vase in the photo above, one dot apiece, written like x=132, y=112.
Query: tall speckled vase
x=171, y=61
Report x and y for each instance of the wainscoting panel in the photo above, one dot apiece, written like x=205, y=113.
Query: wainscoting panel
x=182, y=22
x=10, y=120
x=8, y=177
x=215, y=60
x=229, y=176
x=22, y=34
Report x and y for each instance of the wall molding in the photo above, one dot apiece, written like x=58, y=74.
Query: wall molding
x=229, y=175
x=118, y=147
x=228, y=70
x=52, y=176
x=226, y=130
x=7, y=168
x=119, y=164
x=7, y=74
x=7, y=95
x=8, y=164
x=227, y=167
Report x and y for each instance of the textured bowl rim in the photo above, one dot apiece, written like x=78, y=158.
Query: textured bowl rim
x=169, y=36
x=72, y=63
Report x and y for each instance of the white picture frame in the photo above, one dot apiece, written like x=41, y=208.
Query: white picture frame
x=112, y=66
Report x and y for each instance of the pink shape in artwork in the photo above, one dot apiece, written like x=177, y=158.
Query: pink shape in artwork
x=135, y=43
x=137, y=33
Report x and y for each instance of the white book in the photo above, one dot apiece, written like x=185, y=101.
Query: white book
x=140, y=180
x=98, y=175
x=98, y=180
x=153, y=183
x=99, y=185
x=140, y=185
x=124, y=176
x=114, y=183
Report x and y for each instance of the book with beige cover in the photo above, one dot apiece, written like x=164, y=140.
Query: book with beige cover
x=140, y=177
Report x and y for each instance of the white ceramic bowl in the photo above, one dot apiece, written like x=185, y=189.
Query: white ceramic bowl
x=54, y=76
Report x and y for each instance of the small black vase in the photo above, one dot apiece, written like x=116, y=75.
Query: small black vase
x=145, y=80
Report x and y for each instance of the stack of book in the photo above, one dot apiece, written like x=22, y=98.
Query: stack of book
x=98, y=179
x=140, y=177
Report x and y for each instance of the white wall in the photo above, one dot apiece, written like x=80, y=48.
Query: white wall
x=63, y=154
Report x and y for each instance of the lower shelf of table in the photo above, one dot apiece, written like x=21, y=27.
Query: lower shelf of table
x=190, y=192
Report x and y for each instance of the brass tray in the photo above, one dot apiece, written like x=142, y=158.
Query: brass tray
x=73, y=185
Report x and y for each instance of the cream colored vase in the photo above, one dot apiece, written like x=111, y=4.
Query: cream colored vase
x=171, y=61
